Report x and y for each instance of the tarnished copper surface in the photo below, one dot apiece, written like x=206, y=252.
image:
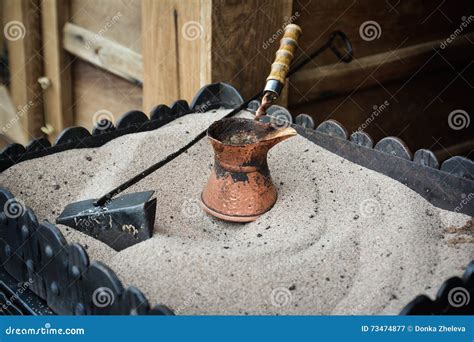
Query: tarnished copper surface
x=262, y=109
x=240, y=188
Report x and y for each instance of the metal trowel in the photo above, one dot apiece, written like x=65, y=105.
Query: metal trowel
x=125, y=220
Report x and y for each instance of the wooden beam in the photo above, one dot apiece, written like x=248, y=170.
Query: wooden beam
x=245, y=37
x=22, y=22
x=104, y=53
x=224, y=41
x=312, y=84
x=57, y=66
x=463, y=148
x=3, y=73
x=5, y=141
x=2, y=43
x=395, y=23
x=174, y=49
x=10, y=125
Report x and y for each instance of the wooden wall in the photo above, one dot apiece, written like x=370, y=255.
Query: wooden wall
x=113, y=56
x=208, y=41
x=23, y=21
x=95, y=89
x=405, y=66
x=182, y=46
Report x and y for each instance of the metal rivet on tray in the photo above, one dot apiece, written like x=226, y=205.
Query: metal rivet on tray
x=75, y=272
x=79, y=309
x=54, y=288
x=8, y=251
x=25, y=232
x=48, y=251
x=30, y=265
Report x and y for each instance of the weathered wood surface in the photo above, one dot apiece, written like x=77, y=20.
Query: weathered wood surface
x=423, y=86
x=22, y=23
x=103, y=53
x=402, y=23
x=10, y=127
x=210, y=42
x=57, y=66
x=317, y=83
x=417, y=111
x=95, y=89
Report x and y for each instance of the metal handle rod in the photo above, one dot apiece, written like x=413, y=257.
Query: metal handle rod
x=279, y=69
x=346, y=58
x=103, y=200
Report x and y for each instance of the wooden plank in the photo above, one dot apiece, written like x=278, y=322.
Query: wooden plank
x=173, y=47
x=418, y=109
x=96, y=90
x=211, y=42
x=402, y=23
x=311, y=84
x=97, y=16
x=25, y=61
x=10, y=125
x=57, y=66
x=4, y=68
x=464, y=148
x=2, y=38
x=104, y=53
x=245, y=37
x=5, y=141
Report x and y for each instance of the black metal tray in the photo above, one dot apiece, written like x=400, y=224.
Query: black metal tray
x=60, y=279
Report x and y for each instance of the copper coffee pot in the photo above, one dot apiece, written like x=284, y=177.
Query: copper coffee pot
x=240, y=188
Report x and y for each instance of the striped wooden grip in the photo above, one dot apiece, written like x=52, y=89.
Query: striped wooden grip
x=284, y=55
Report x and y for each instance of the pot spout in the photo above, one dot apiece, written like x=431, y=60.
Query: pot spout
x=281, y=134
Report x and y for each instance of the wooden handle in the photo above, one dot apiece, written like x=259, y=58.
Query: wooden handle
x=284, y=55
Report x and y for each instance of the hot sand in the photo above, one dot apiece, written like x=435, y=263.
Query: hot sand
x=341, y=239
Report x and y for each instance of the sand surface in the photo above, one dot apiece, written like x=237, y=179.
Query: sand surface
x=341, y=239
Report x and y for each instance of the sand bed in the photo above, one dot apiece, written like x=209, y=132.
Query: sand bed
x=341, y=239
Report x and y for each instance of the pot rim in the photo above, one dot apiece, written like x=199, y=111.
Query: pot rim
x=258, y=123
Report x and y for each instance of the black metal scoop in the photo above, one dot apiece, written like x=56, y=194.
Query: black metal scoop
x=123, y=221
